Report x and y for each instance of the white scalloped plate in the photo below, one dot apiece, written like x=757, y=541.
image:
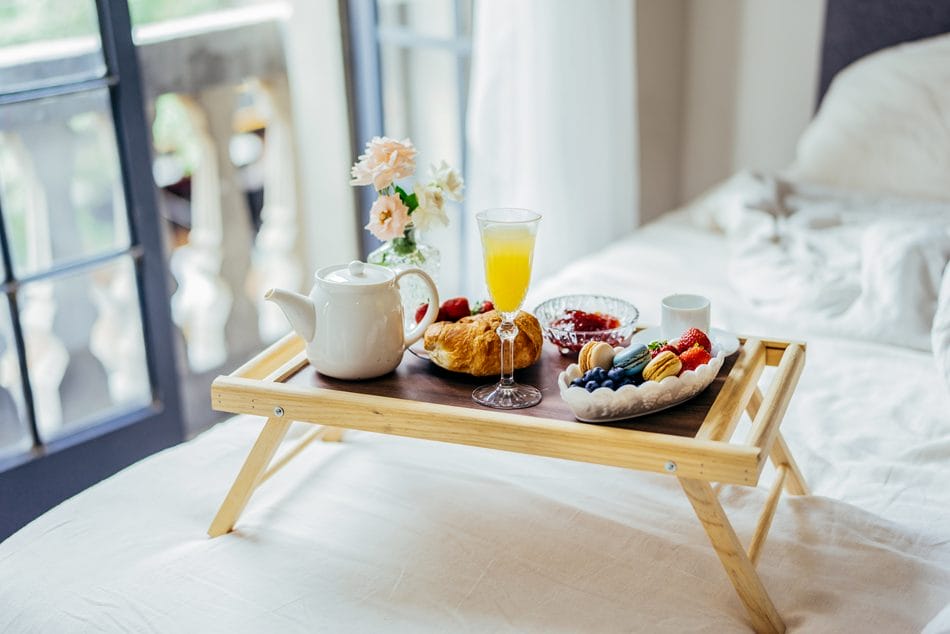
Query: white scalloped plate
x=604, y=405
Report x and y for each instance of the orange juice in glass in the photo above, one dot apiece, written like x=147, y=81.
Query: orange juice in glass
x=507, y=252
x=508, y=237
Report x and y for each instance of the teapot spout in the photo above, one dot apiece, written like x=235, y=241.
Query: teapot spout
x=297, y=308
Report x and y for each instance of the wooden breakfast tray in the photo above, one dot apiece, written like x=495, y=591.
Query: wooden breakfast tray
x=692, y=441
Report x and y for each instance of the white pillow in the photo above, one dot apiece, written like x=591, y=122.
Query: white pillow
x=884, y=125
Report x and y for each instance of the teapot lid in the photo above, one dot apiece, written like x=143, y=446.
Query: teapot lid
x=355, y=273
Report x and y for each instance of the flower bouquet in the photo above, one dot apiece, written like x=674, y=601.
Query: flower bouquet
x=397, y=214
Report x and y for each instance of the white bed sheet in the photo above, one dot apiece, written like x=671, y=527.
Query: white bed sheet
x=388, y=534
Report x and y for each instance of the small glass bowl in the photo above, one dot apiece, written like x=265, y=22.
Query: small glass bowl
x=569, y=341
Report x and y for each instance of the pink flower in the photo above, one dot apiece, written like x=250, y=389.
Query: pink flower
x=388, y=218
x=384, y=161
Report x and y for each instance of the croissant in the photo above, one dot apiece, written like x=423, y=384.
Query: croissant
x=472, y=346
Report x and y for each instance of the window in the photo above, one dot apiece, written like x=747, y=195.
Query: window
x=86, y=373
x=410, y=63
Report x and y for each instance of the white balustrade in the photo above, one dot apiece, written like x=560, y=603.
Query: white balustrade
x=224, y=269
x=116, y=338
x=275, y=260
x=202, y=303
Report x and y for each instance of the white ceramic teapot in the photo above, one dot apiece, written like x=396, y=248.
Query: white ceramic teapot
x=353, y=319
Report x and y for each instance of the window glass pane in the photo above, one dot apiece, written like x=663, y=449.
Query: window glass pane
x=45, y=42
x=85, y=348
x=421, y=101
x=433, y=18
x=14, y=432
x=421, y=89
x=60, y=185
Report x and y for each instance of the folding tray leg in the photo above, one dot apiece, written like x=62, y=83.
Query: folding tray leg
x=739, y=567
x=250, y=475
x=780, y=454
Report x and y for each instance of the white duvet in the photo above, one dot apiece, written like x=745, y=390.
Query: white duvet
x=840, y=263
x=381, y=534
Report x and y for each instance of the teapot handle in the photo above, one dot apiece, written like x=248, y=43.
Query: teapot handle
x=415, y=334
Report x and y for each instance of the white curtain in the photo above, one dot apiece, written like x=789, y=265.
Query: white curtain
x=552, y=124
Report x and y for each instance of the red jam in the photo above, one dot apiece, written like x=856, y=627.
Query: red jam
x=581, y=321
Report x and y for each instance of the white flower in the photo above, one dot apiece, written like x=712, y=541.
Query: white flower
x=448, y=180
x=431, y=209
x=384, y=161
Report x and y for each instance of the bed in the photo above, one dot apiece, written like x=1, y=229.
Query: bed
x=359, y=536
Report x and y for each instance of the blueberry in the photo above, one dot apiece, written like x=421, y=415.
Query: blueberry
x=599, y=374
x=578, y=382
x=608, y=384
x=626, y=381
x=591, y=386
x=615, y=374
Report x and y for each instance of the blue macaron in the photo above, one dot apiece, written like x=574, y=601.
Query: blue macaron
x=633, y=359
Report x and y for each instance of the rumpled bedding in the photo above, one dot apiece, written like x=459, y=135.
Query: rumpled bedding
x=839, y=263
x=385, y=534
x=940, y=336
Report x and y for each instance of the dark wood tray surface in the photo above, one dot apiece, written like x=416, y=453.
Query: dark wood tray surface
x=420, y=380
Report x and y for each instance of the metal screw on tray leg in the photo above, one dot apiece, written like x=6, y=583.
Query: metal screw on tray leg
x=670, y=466
x=278, y=411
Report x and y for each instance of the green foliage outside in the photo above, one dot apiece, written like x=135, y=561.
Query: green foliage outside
x=25, y=21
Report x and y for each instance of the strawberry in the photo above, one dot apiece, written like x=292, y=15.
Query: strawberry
x=483, y=307
x=656, y=347
x=454, y=309
x=421, y=312
x=692, y=337
x=694, y=357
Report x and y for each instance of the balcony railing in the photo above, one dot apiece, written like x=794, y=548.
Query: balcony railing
x=219, y=66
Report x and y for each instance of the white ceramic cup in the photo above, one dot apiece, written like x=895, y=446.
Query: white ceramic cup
x=680, y=312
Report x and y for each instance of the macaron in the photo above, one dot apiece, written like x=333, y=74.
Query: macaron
x=632, y=359
x=663, y=365
x=595, y=354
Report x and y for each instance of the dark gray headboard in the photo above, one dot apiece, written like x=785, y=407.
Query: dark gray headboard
x=855, y=28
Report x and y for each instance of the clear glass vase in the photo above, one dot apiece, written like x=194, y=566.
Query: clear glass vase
x=406, y=252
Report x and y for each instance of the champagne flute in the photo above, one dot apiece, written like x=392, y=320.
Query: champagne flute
x=507, y=247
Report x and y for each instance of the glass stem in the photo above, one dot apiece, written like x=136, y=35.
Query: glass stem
x=507, y=332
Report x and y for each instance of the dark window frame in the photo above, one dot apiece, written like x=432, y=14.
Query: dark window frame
x=52, y=471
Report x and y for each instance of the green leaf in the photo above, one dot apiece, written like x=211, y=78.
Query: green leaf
x=409, y=200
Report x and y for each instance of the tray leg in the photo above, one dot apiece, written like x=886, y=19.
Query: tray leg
x=741, y=571
x=250, y=475
x=779, y=453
